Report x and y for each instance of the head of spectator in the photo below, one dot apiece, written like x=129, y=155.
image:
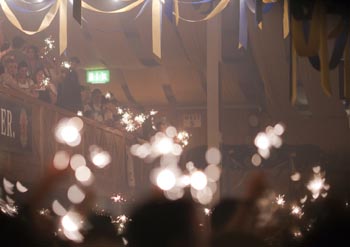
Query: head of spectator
x=39, y=76
x=17, y=43
x=32, y=52
x=74, y=62
x=23, y=70
x=162, y=223
x=96, y=97
x=222, y=213
x=162, y=124
x=2, y=69
x=11, y=66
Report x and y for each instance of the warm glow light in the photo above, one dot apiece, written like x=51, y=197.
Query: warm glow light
x=262, y=141
x=166, y=179
x=70, y=222
x=213, y=156
x=83, y=174
x=76, y=161
x=61, y=160
x=101, y=159
x=75, y=194
x=164, y=145
x=20, y=187
x=198, y=180
x=58, y=209
x=213, y=172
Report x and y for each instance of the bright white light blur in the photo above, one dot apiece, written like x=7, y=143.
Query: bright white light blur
x=265, y=153
x=262, y=141
x=58, y=209
x=316, y=185
x=295, y=176
x=278, y=129
x=190, y=166
x=164, y=145
x=69, y=133
x=198, y=180
x=177, y=150
x=166, y=179
x=171, y=131
x=75, y=194
x=213, y=156
x=303, y=200
x=280, y=200
x=10, y=200
x=143, y=150
x=74, y=236
x=76, y=161
x=83, y=174
x=184, y=181
x=101, y=159
x=213, y=172
x=316, y=169
x=61, y=160
x=8, y=186
x=297, y=211
x=174, y=194
x=71, y=221
x=20, y=187
x=207, y=211
x=76, y=122
x=205, y=196
x=108, y=95
x=79, y=113
x=256, y=160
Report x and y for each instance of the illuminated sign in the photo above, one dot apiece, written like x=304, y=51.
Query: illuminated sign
x=97, y=76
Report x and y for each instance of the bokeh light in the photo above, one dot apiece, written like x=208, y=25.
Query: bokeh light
x=76, y=161
x=61, y=160
x=198, y=180
x=166, y=179
x=213, y=156
x=75, y=194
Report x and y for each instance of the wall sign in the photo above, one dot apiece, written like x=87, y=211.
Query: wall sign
x=192, y=120
x=97, y=76
x=15, y=126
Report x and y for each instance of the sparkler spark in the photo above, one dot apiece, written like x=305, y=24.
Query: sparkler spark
x=118, y=198
x=280, y=200
x=49, y=45
x=316, y=185
x=297, y=211
x=183, y=138
x=207, y=211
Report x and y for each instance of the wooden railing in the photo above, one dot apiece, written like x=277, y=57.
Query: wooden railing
x=28, y=167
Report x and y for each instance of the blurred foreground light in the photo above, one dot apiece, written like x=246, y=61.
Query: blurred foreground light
x=58, y=209
x=67, y=131
x=163, y=144
x=61, y=160
x=256, y=160
x=101, y=159
x=75, y=194
x=278, y=129
x=71, y=221
x=205, y=196
x=198, y=180
x=295, y=176
x=213, y=156
x=262, y=141
x=8, y=186
x=171, y=131
x=76, y=161
x=213, y=172
x=20, y=187
x=174, y=194
x=166, y=179
x=83, y=174
x=74, y=236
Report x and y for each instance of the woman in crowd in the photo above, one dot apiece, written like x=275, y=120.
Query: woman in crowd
x=33, y=59
x=45, y=90
x=25, y=83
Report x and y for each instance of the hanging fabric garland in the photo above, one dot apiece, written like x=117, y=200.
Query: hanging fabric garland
x=63, y=26
x=157, y=27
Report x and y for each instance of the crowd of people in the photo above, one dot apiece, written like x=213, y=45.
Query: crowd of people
x=25, y=68
x=159, y=222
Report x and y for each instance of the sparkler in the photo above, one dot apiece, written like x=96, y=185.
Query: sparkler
x=8, y=209
x=280, y=200
x=297, y=211
x=317, y=184
x=49, y=45
x=183, y=138
x=269, y=139
x=117, y=198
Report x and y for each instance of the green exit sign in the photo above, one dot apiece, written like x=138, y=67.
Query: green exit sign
x=97, y=76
